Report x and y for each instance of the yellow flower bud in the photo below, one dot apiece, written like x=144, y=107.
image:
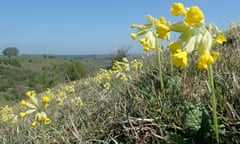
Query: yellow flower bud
x=47, y=121
x=215, y=55
x=23, y=103
x=134, y=36
x=177, y=9
x=22, y=114
x=45, y=99
x=30, y=93
x=220, y=38
x=133, y=26
x=34, y=124
x=194, y=15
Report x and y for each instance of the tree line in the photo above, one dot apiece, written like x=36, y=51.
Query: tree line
x=10, y=51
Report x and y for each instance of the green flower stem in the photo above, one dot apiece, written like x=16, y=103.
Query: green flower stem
x=159, y=64
x=171, y=63
x=213, y=102
x=43, y=133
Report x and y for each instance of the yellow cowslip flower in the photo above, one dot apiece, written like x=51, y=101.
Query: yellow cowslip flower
x=215, y=55
x=34, y=124
x=39, y=118
x=133, y=25
x=137, y=65
x=45, y=99
x=204, y=60
x=72, y=100
x=142, y=40
x=6, y=113
x=177, y=9
x=153, y=47
x=47, y=121
x=124, y=78
x=107, y=86
x=220, y=38
x=180, y=59
x=162, y=20
x=140, y=27
x=162, y=30
x=115, y=66
x=146, y=49
x=22, y=114
x=30, y=93
x=69, y=88
x=147, y=44
x=23, y=103
x=194, y=15
x=116, y=63
x=134, y=36
x=175, y=47
x=77, y=101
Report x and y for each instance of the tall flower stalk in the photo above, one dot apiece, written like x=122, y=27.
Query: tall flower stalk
x=213, y=102
x=159, y=65
x=157, y=29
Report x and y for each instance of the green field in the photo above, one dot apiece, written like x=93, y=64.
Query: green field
x=21, y=73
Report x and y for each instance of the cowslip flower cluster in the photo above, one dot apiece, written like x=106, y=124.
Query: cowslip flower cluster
x=193, y=15
x=6, y=114
x=77, y=101
x=120, y=71
x=155, y=28
x=35, y=106
x=103, y=78
x=194, y=36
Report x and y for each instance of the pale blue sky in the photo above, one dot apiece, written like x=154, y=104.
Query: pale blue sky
x=90, y=26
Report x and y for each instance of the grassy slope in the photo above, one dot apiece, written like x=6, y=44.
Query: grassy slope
x=138, y=112
x=16, y=80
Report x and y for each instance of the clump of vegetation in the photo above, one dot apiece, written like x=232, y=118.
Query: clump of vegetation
x=10, y=51
x=187, y=94
x=75, y=71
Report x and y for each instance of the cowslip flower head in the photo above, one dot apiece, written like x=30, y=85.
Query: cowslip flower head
x=215, y=55
x=23, y=103
x=220, y=38
x=47, y=121
x=34, y=124
x=180, y=59
x=162, y=31
x=30, y=93
x=204, y=60
x=194, y=15
x=177, y=9
x=45, y=99
x=134, y=35
x=148, y=41
x=6, y=113
x=22, y=114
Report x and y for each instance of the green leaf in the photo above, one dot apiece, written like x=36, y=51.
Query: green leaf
x=175, y=138
x=192, y=118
